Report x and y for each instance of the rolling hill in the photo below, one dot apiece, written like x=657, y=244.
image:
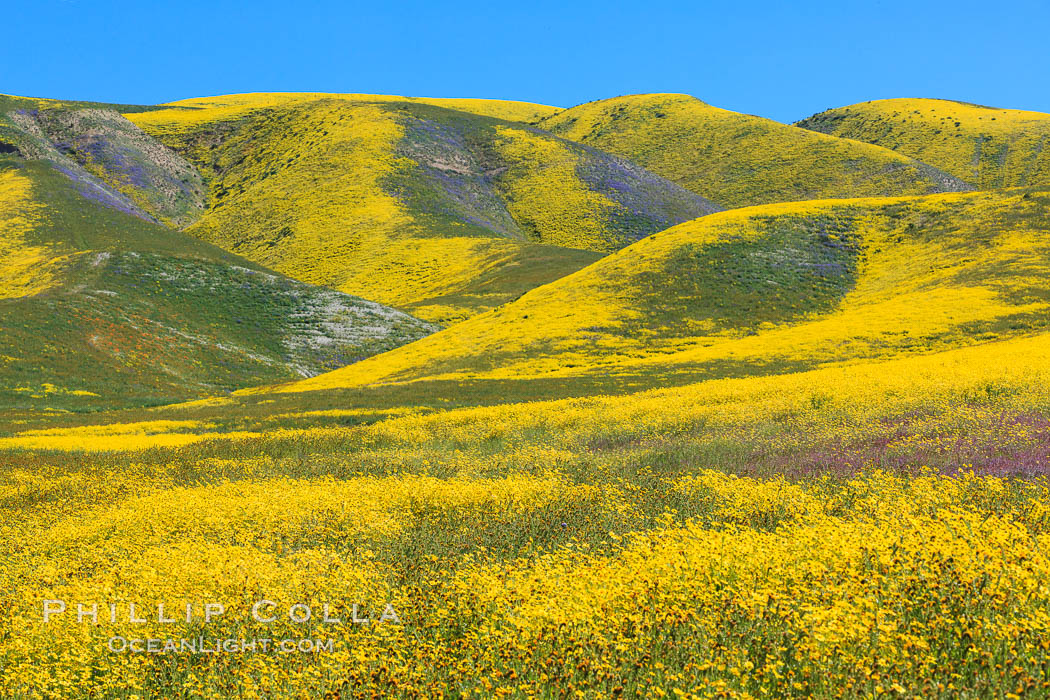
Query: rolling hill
x=741, y=160
x=102, y=306
x=761, y=290
x=437, y=207
x=984, y=146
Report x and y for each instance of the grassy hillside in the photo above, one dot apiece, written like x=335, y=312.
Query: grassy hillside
x=102, y=308
x=110, y=159
x=984, y=146
x=343, y=190
x=738, y=159
x=155, y=182
x=756, y=291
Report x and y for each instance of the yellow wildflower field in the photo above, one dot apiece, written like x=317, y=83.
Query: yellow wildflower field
x=846, y=531
x=25, y=269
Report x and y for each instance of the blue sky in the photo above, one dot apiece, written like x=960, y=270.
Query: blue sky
x=783, y=60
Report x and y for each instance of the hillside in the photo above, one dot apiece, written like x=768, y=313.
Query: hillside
x=103, y=307
x=438, y=211
x=110, y=158
x=738, y=159
x=755, y=291
x=984, y=146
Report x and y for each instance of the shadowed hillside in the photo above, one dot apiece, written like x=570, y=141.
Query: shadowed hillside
x=984, y=146
x=100, y=307
x=435, y=210
x=738, y=159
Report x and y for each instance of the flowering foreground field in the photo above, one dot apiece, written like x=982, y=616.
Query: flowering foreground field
x=582, y=434
x=869, y=530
